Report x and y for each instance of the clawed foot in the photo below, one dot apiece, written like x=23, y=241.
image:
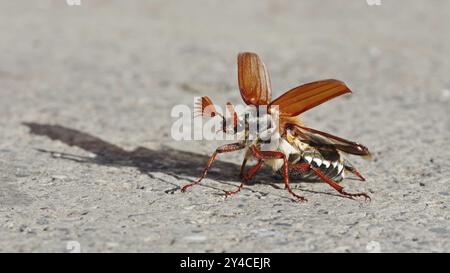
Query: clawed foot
x=362, y=194
x=185, y=187
x=299, y=198
x=229, y=193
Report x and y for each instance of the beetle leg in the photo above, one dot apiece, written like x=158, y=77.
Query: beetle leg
x=241, y=174
x=303, y=167
x=250, y=173
x=222, y=149
x=277, y=155
x=349, y=167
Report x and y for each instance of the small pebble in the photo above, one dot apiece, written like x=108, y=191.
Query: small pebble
x=59, y=177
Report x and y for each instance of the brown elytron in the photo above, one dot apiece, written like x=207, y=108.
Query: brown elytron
x=300, y=152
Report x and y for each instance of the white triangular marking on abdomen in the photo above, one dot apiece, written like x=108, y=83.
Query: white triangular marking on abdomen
x=318, y=161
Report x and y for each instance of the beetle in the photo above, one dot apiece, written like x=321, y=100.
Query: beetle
x=299, y=152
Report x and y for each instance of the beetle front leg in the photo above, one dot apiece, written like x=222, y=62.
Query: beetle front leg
x=222, y=149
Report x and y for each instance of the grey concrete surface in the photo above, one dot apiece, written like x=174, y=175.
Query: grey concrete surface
x=86, y=153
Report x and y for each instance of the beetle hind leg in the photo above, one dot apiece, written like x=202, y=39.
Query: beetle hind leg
x=304, y=167
x=350, y=168
x=338, y=187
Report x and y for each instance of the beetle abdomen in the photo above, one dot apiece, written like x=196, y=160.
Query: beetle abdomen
x=330, y=164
